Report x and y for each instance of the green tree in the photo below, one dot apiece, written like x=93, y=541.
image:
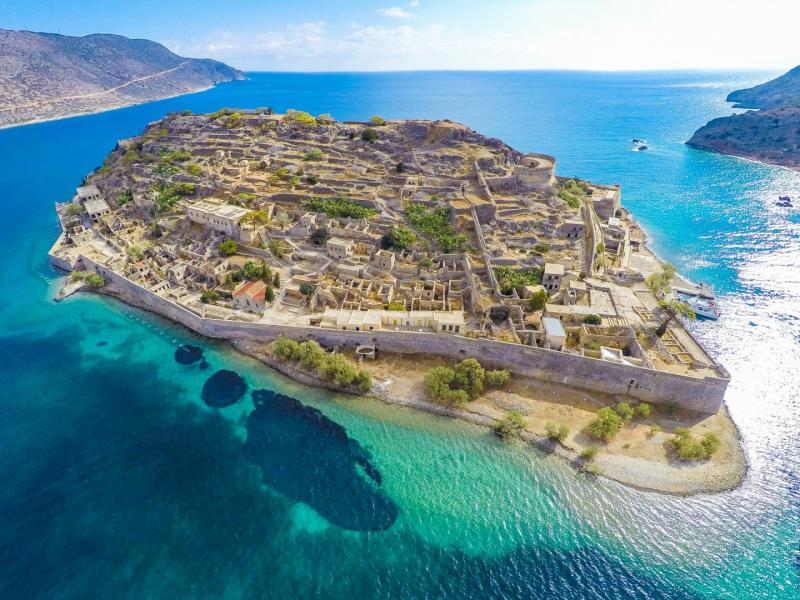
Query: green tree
x=605, y=425
x=307, y=288
x=538, y=300
x=643, y=410
x=377, y=121
x=469, y=376
x=207, y=296
x=313, y=154
x=672, y=309
x=276, y=248
x=687, y=447
x=624, y=410
x=285, y=349
x=338, y=369
x=94, y=280
x=592, y=320
x=320, y=236
x=369, y=135
x=438, y=381
x=310, y=354
x=276, y=280
x=398, y=238
x=363, y=381
x=556, y=432
x=269, y=295
x=511, y=425
x=228, y=247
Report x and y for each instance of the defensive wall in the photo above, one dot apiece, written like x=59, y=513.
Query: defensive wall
x=694, y=393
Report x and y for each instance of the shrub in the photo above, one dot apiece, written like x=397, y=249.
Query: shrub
x=94, y=280
x=605, y=425
x=340, y=208
x=556, y=432
x=193, y=169
x=74, y=209
x=325, y=119
x=276, y=248
x=589, y=453
x=312, y=179
x=300, y=117
x=124, y=198
x=435, y=223
x=377, y=121
x=511, y=425
x=207, y=296
x=425, y=263
x=320, y=236
x=228, y=247
x=625, y=412
x=498, y=378
x=276, y=280
x=654, y=429
x=538, y=300
x=284, y=348
x=573, y=193
x=252, y=271
x=400, y=167
x=593, y=469
x=592, y=320
x=469, y=376
x=687, y=447
x=396, y=306
x=369, y=135
x=398, y=238
x=269, y=295
x=541, y=248
x=338, y=369
x=499, y=313
x=363, y=381
x=643, y=410
x=135, y=252
x=307, y=288
x=509, y=279
x=310, y=354
x=438, y=381
x=313, y=154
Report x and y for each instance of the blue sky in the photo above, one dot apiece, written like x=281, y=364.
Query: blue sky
x=313, y=35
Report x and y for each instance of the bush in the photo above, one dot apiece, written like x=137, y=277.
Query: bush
x=425, y=263
x=307, y=288
x=269, y=295
x=592, y=320
x=438, y=381
x=398, y=238
x=124, y=198
x=207, y=296
x=435, y=223
x=498, y=379
x=310, y=354
x=509, y=279
x=654, y=429
x=340, y=208
x=74, y=209
x=499, y=313
x=320, y=236
x=469, y=376
x=538, y=300
x=687, y=447
x=94, y=280
x=312, y=179
x=400, y=167
x=605, y=425
x=643, y=410
x=300, y=117
x=284, y=348
x=593, y=469
x=228, y=247
x=338, y=369
x=541, y=248
x=276, y=248
x=377, y=121
x=369, y=135
x=556, y=432
x=395, y=306
x=252, y=271
x=193, y=169
x=589, y=453
x=511, y=425
x=625, y=412
x=363, y=381
x=313, y=154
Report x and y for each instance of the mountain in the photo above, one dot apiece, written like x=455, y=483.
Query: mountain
x=46, y=75
x=770, y=134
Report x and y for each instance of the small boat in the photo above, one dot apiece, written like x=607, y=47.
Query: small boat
x=784, y=202
x=638, y=145
x=704, y=307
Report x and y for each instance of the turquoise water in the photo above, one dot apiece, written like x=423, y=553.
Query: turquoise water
x=119, y=480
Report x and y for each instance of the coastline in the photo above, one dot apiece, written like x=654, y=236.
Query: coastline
x=794, y=169
x=103, y=110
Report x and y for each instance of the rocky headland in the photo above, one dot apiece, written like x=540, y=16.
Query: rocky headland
x=45, y=76
x=769, y=134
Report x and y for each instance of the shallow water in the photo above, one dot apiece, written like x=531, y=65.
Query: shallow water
x=119, y=480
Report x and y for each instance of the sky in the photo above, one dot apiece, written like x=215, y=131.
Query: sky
x=348, y=35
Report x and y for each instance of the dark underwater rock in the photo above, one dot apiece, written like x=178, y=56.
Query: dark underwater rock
x=310, y=458
x=187, y=354
x=223, y=388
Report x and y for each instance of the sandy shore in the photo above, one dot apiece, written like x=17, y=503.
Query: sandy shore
x=635, y=458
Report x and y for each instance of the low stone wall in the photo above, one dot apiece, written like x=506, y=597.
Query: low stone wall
x=699, y=394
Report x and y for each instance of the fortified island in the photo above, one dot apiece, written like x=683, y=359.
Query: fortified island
x=408, y=248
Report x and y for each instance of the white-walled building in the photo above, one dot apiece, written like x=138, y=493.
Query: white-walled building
x=218, y=216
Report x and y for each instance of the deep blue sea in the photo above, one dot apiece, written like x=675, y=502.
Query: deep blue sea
x=119, y=481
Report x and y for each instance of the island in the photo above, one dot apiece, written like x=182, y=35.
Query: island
x=45, y=76
x=770, y=134
x=421, y=262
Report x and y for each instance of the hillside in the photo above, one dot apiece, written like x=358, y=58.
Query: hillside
x=771, y=134
x=46, y=76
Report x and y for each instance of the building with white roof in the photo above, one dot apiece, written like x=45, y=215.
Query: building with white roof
x=216, y=215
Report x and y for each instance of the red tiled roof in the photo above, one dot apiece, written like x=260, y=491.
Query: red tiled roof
x=255, y=290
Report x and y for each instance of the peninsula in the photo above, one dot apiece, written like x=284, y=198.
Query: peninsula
x=770, y=134
x=46, y=76
x=419, y=261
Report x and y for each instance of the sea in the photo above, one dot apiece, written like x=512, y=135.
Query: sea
x=123, y=475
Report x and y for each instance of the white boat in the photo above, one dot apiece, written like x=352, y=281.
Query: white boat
x=704, y=307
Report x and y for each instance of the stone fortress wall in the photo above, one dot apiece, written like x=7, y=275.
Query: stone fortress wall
x=704, y=395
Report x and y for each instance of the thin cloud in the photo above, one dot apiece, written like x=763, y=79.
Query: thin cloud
x=395, y=12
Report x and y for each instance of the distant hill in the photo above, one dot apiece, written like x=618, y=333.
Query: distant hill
x=771, y=134
x=46, y=75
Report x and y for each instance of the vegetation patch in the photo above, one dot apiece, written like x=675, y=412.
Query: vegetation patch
x=331, y=367
x=508, y=279
x=511, y=425
x=574, y=193
x=689, y=448
x=340, y=208
x=435, y=224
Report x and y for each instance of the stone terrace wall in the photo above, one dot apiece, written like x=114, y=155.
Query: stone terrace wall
x=703, y=395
